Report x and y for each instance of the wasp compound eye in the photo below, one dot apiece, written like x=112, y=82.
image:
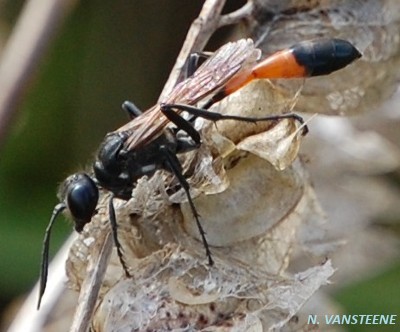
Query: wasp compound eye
x=82, y=196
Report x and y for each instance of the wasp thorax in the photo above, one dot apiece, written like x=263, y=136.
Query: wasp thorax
x=110, y=168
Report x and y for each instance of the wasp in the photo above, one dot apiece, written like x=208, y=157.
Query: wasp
x=147, y=143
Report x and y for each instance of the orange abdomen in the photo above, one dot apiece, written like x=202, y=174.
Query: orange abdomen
x=309, y=58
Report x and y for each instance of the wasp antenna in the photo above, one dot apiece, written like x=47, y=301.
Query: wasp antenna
x=44, y=265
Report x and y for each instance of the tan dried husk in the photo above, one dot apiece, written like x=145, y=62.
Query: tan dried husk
x=252, y=208
x=257, y=207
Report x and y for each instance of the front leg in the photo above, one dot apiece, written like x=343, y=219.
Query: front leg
x=114, y=231
x=174, y=166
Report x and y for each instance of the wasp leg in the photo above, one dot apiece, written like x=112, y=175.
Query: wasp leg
x=131, y=109
x=193, y=62
x=214, y=116
x=181, y=123
x=185, y=143
x=114, y=229
x=175, y=167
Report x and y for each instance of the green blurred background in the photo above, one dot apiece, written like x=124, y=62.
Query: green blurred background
x=105, y=53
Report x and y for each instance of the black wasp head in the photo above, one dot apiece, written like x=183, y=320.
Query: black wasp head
x=79, y=194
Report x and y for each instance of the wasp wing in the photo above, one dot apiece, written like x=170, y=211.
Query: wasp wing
x=207, y=80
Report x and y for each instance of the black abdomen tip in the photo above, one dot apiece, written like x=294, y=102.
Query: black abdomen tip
x=324, y=56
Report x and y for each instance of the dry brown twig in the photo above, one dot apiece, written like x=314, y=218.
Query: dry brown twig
x=91, y=287
x=28, y=43
x=208, y=21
